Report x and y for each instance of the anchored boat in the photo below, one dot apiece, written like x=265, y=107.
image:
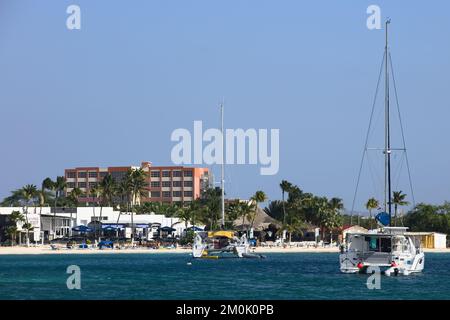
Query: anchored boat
x=222, y=243
x=214, y=244
x=391, y=249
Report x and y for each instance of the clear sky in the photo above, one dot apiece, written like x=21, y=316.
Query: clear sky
x=112, y=93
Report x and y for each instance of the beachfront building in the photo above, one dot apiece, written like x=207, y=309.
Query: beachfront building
x=53, y=223
x=166, y=184
x=45, y=225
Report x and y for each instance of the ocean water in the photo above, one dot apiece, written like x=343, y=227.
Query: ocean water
x=168, y=276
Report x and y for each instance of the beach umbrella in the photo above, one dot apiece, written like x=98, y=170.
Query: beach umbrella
x=168, y=229
x=195, y=229
x=81, y=229
x=109, y=228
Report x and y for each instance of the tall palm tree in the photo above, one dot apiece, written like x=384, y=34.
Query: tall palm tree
x=29, y=194
x=124, y=189
x=371, y=204
x=47, y=184
x=210, y=202
x=74, y=196
x=59, y=186
x=398, y=199
x=139, y=189
x=107, y=188
x=256, y=199
x=285, y=186
x=95, y=193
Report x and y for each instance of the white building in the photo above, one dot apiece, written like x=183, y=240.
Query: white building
x=61, y=224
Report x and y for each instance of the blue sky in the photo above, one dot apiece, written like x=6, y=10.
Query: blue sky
x=112, y=92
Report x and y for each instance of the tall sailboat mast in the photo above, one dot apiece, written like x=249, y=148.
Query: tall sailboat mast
x=387, y=149
x=222, y=180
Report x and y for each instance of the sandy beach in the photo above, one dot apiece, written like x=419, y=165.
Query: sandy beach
x=47, y=250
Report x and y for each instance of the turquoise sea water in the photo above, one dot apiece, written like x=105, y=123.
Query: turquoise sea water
x=168, y=276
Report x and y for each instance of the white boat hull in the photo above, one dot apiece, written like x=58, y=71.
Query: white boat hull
x=398, y=256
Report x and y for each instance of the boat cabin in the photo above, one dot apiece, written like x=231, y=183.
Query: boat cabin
x=380, y=247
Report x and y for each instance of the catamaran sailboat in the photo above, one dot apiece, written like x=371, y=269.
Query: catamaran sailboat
x=216, y=244
x=213, y=244
x=390, y=249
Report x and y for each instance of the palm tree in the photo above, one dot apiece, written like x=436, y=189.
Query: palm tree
x=285, y=186
x=95, y=193
x=398, y=199
x=257, y=198
x=138, y=189
x=371, y=204
x=294, y=227
x=14, y=217
x=47, y=184
x=275, y=210
x=333, y=218
x=124, y=189
x=107, y=188
x=73, y=198
x=11, y=231
x=29, y=193
x=184, y=214
x=210, y=202
x=59, y=186
x=14, y=200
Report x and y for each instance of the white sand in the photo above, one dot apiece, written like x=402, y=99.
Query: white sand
x=47, y=250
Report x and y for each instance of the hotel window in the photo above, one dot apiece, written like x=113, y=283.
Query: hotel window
x=166, y=173
x=176, y=173
x=188, y=183
x=82, y=174
x=81, y=184
x=154, y=174
x=92, y=185
x=118, y=175
x=177, y=193
x=92, y=174
x=187, y=173
x=155, y=184
x=177, y=183
x=166, y=184
x=71, y=174
x=70, y=185
x=188, y=193
x=156, y=194
x=103, y=174
x=166, y=194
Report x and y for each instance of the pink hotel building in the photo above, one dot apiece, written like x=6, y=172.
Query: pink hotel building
x=168, y=184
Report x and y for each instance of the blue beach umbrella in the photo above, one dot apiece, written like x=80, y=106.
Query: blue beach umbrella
x=82, y=229
x=109, y=228
x=168, y=229
x=195, y=229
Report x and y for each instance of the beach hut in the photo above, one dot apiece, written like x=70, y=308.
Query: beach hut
x=430, y=240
